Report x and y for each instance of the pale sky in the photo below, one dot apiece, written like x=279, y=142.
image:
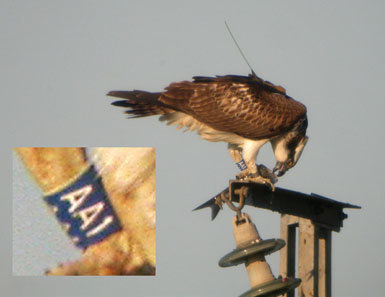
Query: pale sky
x=58, y=60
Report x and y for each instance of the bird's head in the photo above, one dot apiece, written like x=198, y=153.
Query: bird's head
x=287, y=151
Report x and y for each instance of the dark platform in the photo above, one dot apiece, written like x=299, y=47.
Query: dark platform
x=321, y=210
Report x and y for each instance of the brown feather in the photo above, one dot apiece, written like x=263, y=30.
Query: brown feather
x=140, y=103
x=249, y=107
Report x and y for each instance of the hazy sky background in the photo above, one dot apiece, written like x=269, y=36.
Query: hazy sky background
x=59, y=59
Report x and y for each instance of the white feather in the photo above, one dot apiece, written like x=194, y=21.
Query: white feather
x=250, y=152
x=250, y=148
x=182, y=120
x=129, y=170
x=280, y=149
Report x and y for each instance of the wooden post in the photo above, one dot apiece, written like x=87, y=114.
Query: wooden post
x=325, y=263
x=314, y=256
x=289, y=224
x=308, y=258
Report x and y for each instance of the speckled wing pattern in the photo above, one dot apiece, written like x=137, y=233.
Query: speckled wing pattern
x=247, y=106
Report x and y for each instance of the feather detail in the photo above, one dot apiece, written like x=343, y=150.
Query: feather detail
x=139, y=103
x=246, y=106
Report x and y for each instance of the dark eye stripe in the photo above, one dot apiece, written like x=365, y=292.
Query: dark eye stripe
x=292, y=144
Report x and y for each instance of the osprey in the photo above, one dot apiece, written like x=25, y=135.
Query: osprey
x=244, y=111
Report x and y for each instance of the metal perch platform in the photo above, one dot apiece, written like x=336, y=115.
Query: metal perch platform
x=314, y=216
x=321, y=210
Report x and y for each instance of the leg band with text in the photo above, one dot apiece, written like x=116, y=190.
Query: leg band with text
x=84, y=210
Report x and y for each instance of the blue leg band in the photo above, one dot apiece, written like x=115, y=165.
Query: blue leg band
x=84, y=210
x=241, y=165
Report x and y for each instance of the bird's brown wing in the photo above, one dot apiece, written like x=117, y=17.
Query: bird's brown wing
x=236, y=104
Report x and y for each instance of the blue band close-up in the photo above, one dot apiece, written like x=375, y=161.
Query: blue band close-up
x=241, y=165
x=83, y=208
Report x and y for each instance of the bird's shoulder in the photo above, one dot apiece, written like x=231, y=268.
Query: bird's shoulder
x=224, y=94
x=223, y=85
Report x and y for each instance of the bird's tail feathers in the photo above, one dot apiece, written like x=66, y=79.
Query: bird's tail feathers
x=140, y=103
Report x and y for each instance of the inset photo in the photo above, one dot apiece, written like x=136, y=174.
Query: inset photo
x=84, y=211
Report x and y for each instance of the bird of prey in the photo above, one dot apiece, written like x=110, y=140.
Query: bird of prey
x=244, y=111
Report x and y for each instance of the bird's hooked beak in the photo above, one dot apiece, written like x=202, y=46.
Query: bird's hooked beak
x=281, y=167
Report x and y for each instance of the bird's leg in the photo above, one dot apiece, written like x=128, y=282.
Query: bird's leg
x=256, y=173
x=250, y=171
x=236, y=153
x=246, y=170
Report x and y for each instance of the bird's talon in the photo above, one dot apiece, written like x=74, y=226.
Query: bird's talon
x=254, y=178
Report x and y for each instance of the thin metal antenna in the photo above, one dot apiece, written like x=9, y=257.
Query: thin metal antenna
x=240, y=50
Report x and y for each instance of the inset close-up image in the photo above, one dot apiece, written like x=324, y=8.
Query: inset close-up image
x=102, y=198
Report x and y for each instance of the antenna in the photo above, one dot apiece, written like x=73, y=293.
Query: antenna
x=240, y=50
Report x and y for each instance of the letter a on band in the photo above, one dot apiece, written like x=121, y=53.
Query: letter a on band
x=76, y=198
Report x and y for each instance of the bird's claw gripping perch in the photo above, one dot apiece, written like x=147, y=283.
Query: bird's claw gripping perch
x=261, y=180
x=263, y=176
